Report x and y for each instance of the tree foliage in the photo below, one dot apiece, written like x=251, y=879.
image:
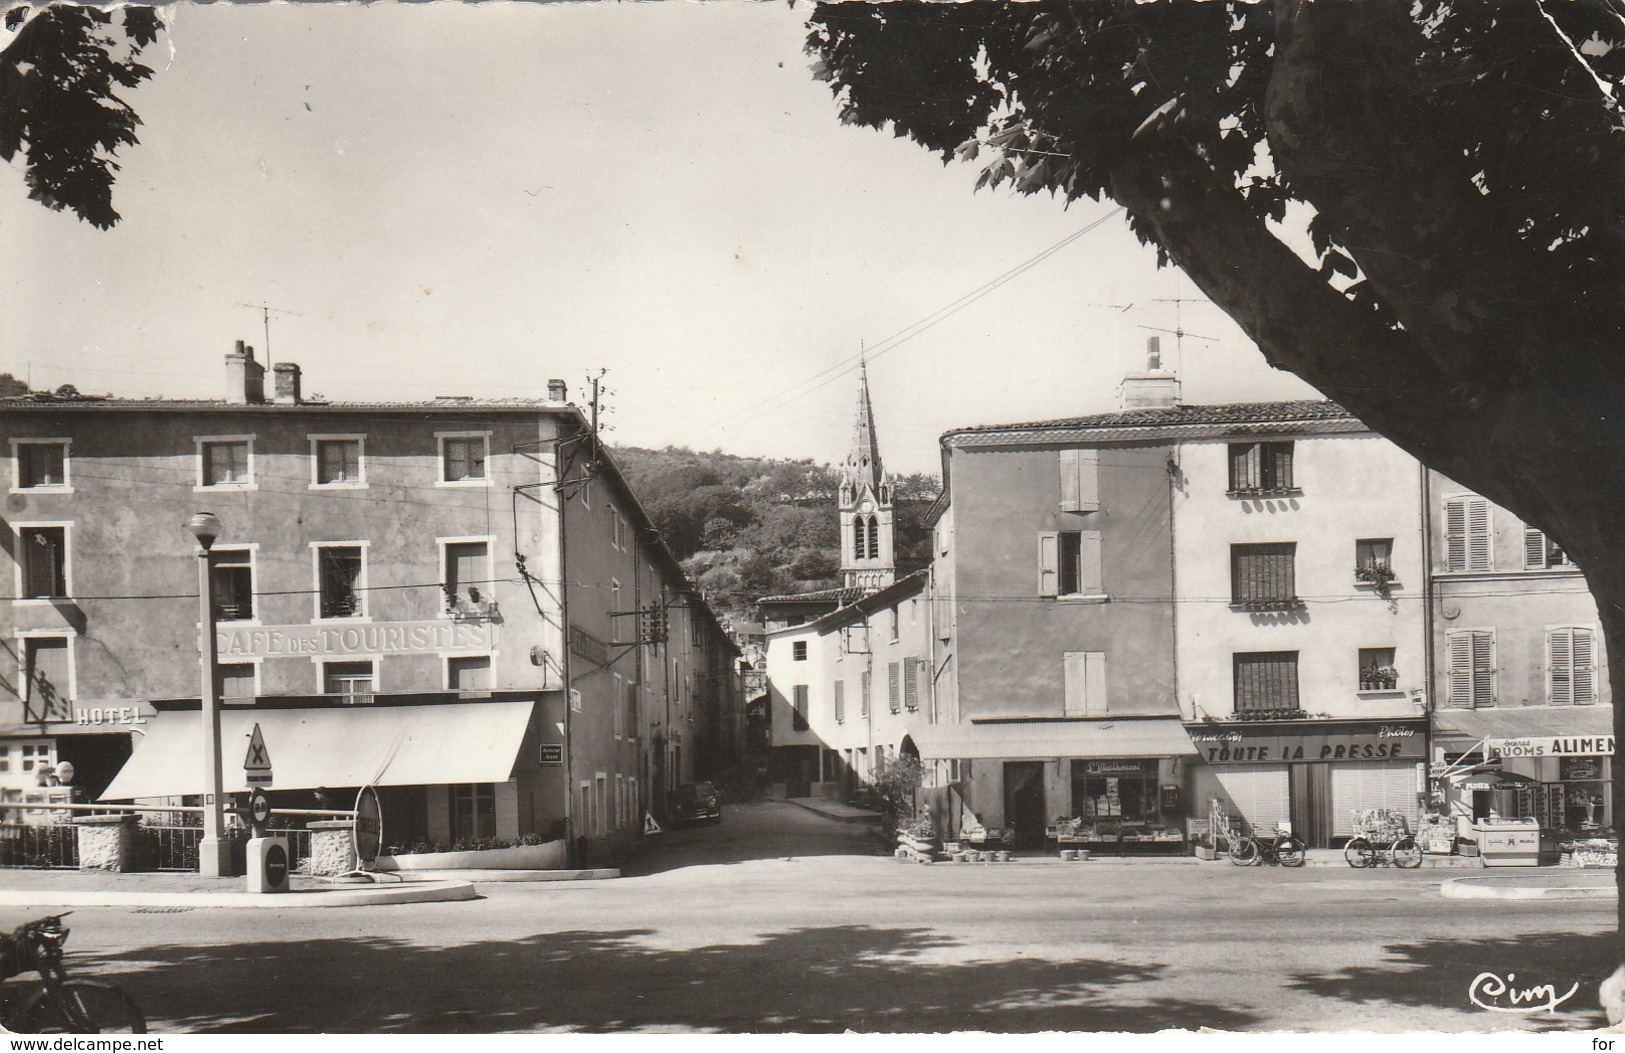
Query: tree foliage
x=60, y=73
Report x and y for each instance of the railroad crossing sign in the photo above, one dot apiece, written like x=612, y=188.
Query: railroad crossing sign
x=257, y=765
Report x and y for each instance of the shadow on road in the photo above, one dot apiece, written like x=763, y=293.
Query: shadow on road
x=1440, y=972
x=758, y=830
x=805, y=980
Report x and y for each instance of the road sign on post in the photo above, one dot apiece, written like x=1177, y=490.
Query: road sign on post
x=257, y=764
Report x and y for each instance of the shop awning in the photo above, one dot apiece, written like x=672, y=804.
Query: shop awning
x=339, y=747
x=1055, y=739
x=1522, y=722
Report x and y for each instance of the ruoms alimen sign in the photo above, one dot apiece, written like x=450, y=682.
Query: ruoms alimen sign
x=1551, y=746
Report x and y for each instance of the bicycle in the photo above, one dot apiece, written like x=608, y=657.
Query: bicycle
x=1247, y=850
x=60, y=1004
x=1381, y=839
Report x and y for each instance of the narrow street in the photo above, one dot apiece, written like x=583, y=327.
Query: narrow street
x=781, y=920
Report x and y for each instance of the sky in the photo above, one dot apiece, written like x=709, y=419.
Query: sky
x=448, y=199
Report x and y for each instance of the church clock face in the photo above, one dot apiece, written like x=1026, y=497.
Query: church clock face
x=866, y=506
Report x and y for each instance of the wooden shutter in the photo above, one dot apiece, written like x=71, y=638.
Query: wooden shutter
x=840, y=702
x=911, y=684
x=863, y=698
x=1461, y=669
x=1080, y=480
x=1478, y=534
x=1484, y=668
x=1560, y=666
x=1094, y=680
x=1277, y=475
x=1049, y=563
x=800, y=706
x=1585, y=667
x=44, y=562
x=1455, y=533
x=893, y=699
x=1244, y=465
x=1090, y=579
x=1072, y=668
x=1534, y=549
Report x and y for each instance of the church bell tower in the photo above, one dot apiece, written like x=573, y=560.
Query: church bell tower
x=868, y=558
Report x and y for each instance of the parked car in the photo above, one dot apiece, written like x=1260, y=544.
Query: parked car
x=697, y=802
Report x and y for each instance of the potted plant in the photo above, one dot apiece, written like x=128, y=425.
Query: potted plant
x=1379, y=678
x=1376, y=572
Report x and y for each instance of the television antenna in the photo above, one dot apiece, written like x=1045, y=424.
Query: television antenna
x=266, y=310
x=1179, y=332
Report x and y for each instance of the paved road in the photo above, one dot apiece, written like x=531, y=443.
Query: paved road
x=780, y=920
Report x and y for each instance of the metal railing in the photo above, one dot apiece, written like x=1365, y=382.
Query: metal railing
x=42, y=846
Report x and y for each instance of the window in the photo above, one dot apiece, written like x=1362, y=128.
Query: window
x=799, y=716
x=43, y=553
x=1541, y=552
x=238, y=683
x=1472, y=667
x=336, y=460
x=1262, y=576
x=1571, y=667
x=462, y=458
x=233, y=571
x=1467, y=533
x=891, y=616
x=618, y=713
x=798, y=651
x=1080, y=480
x=860, y=536
x=629, y=704
x=840, y=702
x=911, y=685
x=1266, y=682
x=1085, y=676
x=226, y=462
x=1374, y=560
x=41, y=464
x=618, y=524
x=339, y=569
x=469, y=673
x=1069, y=564
x=865, y=688
x=474, y=811
x=1261, y=468
x=46, y=673
x=1376, y=668
x=894, y=700
x=352, y=682
x=467, y=581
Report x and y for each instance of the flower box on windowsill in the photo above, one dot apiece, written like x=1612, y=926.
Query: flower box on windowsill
x=1260, y=491
x=1381, y=692
x=1264, y=606
x=1271, y=714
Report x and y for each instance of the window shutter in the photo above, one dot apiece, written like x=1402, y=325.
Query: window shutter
x=840, y=701
x=800, y=716
x=1478, y=534
x=1282, y=462
x=863, y=698
x=1560, y=667
x=1094, y=680
x=1461, y=669
x=1080, y=480
x=1455, y=531
x=1090, y=578
x=1244, y=467
x=1483, y=668
x=1048, y=563
x=893, y=702
x=1585, y=668
x=1073, y=670
x=1534, y=549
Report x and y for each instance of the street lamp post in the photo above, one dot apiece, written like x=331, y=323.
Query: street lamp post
x=214, y=851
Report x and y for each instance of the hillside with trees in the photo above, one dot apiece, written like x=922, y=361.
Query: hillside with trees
x=746, y=527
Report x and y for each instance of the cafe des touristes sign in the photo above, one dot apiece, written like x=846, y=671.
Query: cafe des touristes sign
x=338, y=641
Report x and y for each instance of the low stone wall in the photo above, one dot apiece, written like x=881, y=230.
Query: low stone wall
x=549, y=856
x=332, y=849
x=106, y=842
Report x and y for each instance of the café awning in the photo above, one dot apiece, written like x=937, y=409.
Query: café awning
x=1523, y=721
x=346, y=746
x=1055, y=739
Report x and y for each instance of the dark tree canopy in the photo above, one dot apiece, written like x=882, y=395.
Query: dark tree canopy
x=60, y=72
x=1455, y=173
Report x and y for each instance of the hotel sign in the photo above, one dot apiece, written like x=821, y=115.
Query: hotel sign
x=339, y=641
x=1550, y=746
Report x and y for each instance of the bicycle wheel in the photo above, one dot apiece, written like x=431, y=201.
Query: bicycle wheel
x=94, y=1007
x=1406, y=853
x=1291, y=852
x=1359, y=853
x=1243, y=851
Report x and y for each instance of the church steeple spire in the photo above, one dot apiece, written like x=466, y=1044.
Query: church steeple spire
x=867, y=551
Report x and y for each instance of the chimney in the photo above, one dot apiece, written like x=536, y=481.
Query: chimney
x=1155, y=387
x=557, y=392
x=245, y=378
x=286, y=376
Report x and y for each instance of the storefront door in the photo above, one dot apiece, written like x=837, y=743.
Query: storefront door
x=1024, y=802
x=1312, y=804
